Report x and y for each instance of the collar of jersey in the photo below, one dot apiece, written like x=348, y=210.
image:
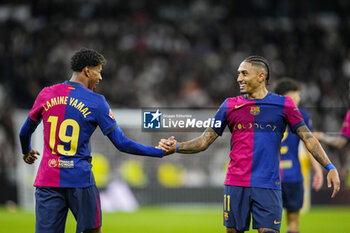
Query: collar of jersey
x=74, y=84
x=246, y=97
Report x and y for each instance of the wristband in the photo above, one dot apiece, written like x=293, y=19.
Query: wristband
x=177, y=147
x=330, y=166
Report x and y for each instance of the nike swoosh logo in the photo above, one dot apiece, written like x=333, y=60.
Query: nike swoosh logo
x=275, y=222
x=239, y=106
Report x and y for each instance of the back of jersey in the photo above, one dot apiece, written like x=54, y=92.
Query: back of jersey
x=70, y=114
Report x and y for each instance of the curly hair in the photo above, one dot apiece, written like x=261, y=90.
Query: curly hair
x=86, y=57
x=285, y=85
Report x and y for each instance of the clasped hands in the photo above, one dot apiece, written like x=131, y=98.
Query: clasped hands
x=167, y=145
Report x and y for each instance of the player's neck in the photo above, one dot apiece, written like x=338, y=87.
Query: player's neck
x=259, y=94
x=77, y=78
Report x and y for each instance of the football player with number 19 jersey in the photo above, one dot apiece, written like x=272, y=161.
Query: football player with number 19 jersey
x=70, y=112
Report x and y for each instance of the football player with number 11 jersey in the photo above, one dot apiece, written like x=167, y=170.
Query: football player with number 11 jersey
x=257, y=120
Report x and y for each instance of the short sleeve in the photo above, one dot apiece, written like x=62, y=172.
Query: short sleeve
x=292, y=114
x=220, y=116
x=306, y=118
x=345, y=130
x=35, y=113
x=105, y=117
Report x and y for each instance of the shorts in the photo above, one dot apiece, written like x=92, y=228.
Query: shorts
x=52, y=206
x=293, y=195
x=265, y=206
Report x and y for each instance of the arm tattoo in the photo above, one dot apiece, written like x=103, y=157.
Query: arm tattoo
x=198, y=144
x=304, y=133
x=313, y=145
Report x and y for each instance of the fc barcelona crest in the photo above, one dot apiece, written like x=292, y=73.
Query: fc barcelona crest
x=226, y=216
x=53, y=163
x=255, y=111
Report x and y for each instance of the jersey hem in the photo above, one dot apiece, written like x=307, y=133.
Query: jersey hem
x=53, y=186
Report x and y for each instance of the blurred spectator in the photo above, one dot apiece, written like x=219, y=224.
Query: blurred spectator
x=7, y=146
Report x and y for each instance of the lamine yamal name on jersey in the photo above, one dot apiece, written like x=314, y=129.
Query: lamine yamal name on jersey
x=64, y=100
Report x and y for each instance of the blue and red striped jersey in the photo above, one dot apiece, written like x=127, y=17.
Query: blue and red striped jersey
x=257, y=127
x=70, y=114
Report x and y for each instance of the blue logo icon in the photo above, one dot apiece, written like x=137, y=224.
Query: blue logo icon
x=151, y=120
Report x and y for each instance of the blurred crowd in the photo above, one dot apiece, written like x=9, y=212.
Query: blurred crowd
x=175, y=53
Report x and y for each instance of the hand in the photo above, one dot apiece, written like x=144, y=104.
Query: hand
x=317, y=180
x=318, y=135
x=167, y=145
x=333, y=179
x=30, y=157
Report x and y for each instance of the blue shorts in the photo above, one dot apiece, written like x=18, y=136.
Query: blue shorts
x=52, y=206
x=293, y=196
x=265, y=206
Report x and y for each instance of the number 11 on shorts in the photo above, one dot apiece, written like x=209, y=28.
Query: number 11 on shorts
x=227, y=199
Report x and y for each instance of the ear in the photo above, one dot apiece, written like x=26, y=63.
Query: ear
x=262, y=77
x=86, y=71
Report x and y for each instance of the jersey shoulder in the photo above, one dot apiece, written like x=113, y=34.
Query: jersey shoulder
x=79, y=92
x=89, y=93
x=85, y=93
x=277, y=98
x=50, y=91
x=236, y=100
x=97, y=98
x=304, y=113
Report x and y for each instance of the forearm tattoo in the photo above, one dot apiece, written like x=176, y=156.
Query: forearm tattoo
x=198, y=144
x=313, y=146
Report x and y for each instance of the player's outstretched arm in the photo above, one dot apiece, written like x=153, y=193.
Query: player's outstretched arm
x=127, y=145
x=334, y=141
x=316, y=150
x=195, y=145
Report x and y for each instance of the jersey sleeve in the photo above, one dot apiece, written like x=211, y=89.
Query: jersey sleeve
x=35, y=113
x=104, y=116
x=306, y=117
x=25, y=134
x=292, y=114
x=345, y=130
x=221, y=117
x=127, y=145
x=32, y=122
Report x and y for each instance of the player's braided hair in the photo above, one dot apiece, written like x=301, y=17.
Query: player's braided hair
x=86, y=57
x=285, y=85
x=261, y=61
